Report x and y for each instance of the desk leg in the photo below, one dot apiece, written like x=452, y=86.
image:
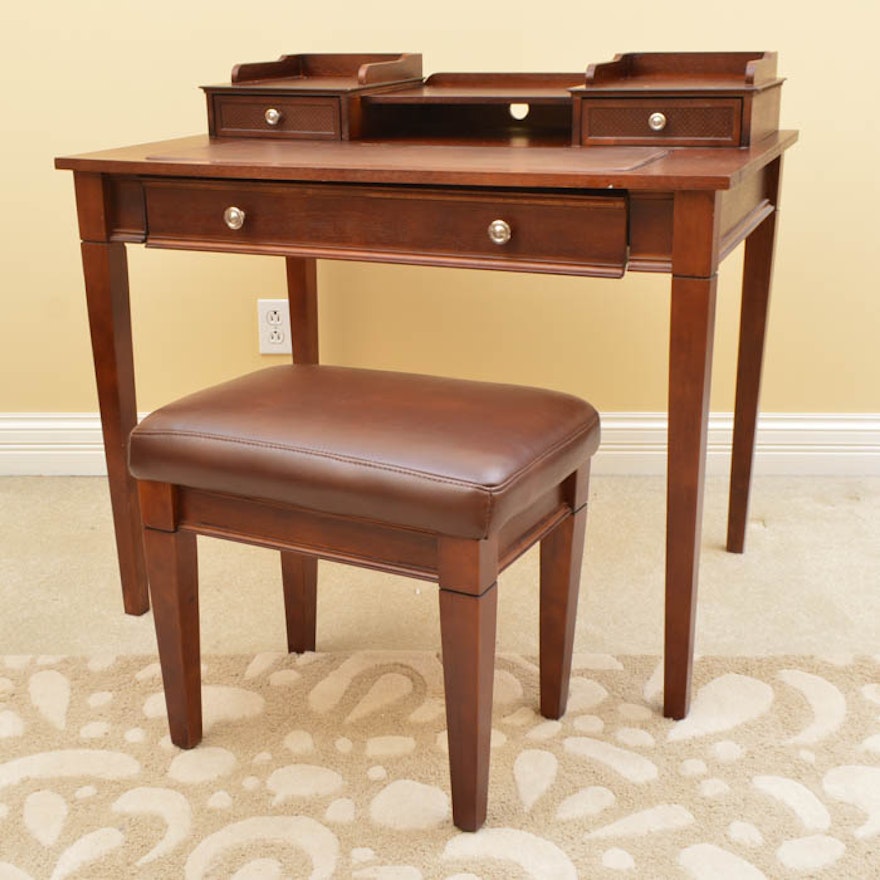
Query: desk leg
x=299, y=574
x=695, y=247
x=302, y=294
x=757, y=271
x=105, y=269
x=690, y=368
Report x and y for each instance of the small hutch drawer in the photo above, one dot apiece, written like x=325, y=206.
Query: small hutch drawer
x=715, y=122
x=679, y=99
x=276, y=116
x=313, y=97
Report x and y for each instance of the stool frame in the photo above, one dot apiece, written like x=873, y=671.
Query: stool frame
x=465, y=569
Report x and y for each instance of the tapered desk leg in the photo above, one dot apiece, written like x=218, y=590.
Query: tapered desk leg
x=106, y=280
x=690, y=364
x=757, y=272
x=299, y=574
x=695, y=256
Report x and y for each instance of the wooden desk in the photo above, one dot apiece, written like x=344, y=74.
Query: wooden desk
x=570, y=210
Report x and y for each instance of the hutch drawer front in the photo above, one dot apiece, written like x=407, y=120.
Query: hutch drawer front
x=672, y=121
x=580, y=233
x=276, y=116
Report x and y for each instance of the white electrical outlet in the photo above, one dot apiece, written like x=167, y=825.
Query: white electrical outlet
x=273, y=316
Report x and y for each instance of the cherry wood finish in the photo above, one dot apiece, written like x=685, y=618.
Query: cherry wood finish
x=707, y=99
x=560, y=583
x=299, y=575
x=431, y=226
x=339, y=72
x=690, y=122
x=467, y=628
x=302, y=296
x=172, y=561
x=692, y=318
x=106, y=274
x=485, y=88
x=683, y=210
x=439, y=162
x=536, y=107
x=465, y=569
x=315, y=97
x=757, y=274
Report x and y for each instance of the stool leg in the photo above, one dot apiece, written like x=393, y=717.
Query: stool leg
x=172, y=568
x=299, y=574
x=562, y=554
x=467, y=629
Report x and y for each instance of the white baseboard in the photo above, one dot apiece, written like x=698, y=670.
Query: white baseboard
x=846, y=444
x=835, y=444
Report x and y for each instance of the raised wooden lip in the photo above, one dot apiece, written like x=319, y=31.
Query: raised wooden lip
x=683, y=71
x=357, y=69
x=485, y=88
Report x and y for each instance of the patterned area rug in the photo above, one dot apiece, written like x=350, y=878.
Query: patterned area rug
x=334, y=766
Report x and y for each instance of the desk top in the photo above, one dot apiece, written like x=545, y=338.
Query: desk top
x=436, y=163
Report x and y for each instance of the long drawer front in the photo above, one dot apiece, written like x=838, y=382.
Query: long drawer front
x=576, y=233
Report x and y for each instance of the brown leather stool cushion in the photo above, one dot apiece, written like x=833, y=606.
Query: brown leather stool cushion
x=446, y=455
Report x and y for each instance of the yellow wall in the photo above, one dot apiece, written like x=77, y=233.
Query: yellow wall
x=92, y=74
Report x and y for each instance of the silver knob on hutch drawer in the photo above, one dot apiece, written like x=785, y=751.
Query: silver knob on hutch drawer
x=499, y=232
x=272, y=116
x=233, y=217
x=657, y=121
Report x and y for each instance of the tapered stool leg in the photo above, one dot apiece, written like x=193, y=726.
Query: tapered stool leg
x=173, y=575
x=299, y=575
x=562, y=554
x=467, y=628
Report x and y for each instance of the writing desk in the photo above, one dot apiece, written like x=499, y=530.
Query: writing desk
x=598, y=210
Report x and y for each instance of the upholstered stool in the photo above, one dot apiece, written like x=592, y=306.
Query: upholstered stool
x=440, y=479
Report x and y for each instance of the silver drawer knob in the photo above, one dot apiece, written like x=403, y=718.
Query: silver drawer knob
x=657, y=121
x=272, y=116
x=233, y=217
x=499, y=232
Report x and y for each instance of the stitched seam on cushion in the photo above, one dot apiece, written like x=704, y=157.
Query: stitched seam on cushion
x=321, y=453
x=569, y=438
x=318, y=453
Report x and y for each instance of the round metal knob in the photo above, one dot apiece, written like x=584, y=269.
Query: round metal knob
x=272, y=116
x=233, y=217
x=499, y=232
x=657, y=121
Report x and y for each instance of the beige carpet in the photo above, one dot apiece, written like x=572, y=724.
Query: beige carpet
x=809, y=582
x=792, y=792
x=333, y=765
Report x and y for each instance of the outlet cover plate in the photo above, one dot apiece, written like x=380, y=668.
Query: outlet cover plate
x=273, y=322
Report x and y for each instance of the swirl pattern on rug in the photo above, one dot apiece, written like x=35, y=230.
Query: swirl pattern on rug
x=325, y=766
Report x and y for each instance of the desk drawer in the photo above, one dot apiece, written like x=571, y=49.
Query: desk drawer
x=578, y=233
x=711, y=122
x=276, y=116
